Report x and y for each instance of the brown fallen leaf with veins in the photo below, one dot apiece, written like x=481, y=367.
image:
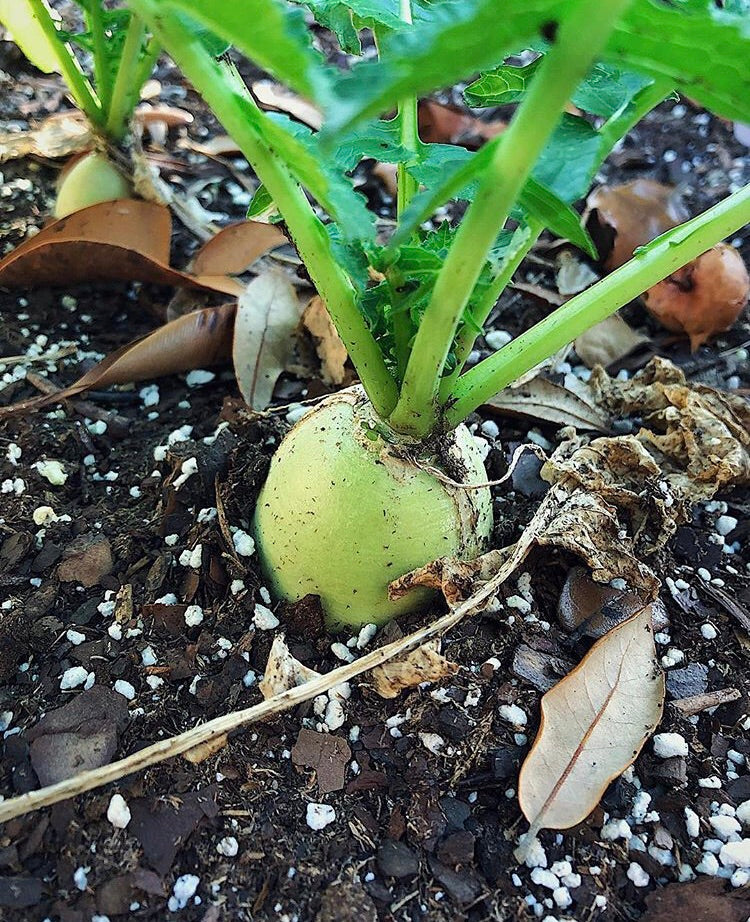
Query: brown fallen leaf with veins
x=595, y=721
x=195, y=340
x=328, y=344
x=704, y=297
x=425, y=664
x=630, y=215
x=268, y=314
x=571, y=403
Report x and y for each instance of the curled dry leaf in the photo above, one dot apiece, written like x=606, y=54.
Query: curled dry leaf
x=328, y=344
x=267, y=315
x=444, y=124
x=283, y=671
x=59, y=135
x=235, y=248
x=195, y=340
x=125, y=240
x=425, y=664
x=630, y=215
x=615, y=501
x=704, y=297
x=272, y=95
x=594, y=723
x=608, y=342
x=571, y=403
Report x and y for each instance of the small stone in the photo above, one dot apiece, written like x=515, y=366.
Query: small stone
x=545, y=878
x=513, y=715
x=725, y=827
x=395, y=859
x=726, y=524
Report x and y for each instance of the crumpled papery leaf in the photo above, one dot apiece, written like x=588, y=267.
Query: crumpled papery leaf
x=707, y=428
x=283, y=671
x=570, y=403
x=594, y=723
x=614, y=501
x=425, y=664
x=267, y=315
x=60, y=135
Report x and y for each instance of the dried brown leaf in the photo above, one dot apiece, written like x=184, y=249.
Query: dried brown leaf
x=283, y=671
x=571, y=403
x=632, y=214
x=328, y=344
x=236, y=247
x=425, y=664
x=607, y=342
x=60, y=135
x=267, y=316
x=272, y=95
x=125, y=240
x=195, y=340
x=594, y=723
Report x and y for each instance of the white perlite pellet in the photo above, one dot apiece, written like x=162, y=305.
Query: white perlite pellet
x=264, y=619
x=118, y=812
x=229, y=846
x=125, y=689
x=184, y=888
x=736, y=854
x=193, y=615
x=243, y=543
x=669, y=745
x=319, y=816
x=513, y=714
x=73, y=678
x=638, y=876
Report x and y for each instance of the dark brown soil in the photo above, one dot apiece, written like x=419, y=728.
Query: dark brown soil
x=416, y=835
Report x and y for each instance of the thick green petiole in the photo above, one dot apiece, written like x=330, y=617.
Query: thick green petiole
x=564, y=67
x=121, y=103
x=80, y=88
x=650, y=265
x=233, y=108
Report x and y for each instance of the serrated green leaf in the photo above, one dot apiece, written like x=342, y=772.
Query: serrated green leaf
x=702, y=49
x=376, y=140
x=503, y=85
x=271, y=33
x=541, y=203
x=456, y=38
x=337, y=17
x=604, y=91
x=607, y=89
x=571, y=158
x=300, y=150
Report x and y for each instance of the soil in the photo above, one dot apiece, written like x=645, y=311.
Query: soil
x=417, y=834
